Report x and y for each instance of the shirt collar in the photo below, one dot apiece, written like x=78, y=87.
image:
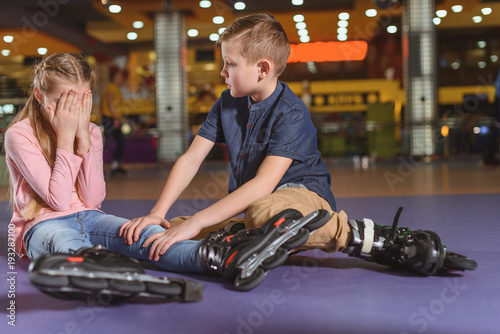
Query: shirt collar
x=268, y=102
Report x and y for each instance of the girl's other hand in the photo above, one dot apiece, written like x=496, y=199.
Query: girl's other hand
x=64, y=119
x=82, y=133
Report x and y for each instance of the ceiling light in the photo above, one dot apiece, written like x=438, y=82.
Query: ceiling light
x=221, y=30
x=343, y=24
x=5, y=53
x=342, y=31
x=114, y=9
x=392, y=29
x=297, y=2
x=455, y=65
x=303, y=32
x=441, y=13
x=486, y=10
x=436, y=20
x=239, y=5
x=494, y=58
x=214, y=37
x=342, y=38
x=218, y=20
x=42, y=51
x=481, y=64
x=305, y=38
x=300, y=25
x=481, y=44
x=477, y=19
x=192, y=33
x=298, y=18
x=205, y=4
x=8, y=38
x=344, y=16
x=132, y=36
x=371, y=12
x=457, y=8
x=138, y=24
x=311, y=66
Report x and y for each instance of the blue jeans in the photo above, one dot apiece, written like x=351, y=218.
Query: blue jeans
x=88, y=228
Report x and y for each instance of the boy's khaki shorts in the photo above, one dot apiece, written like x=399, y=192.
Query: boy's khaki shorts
x=331, y=237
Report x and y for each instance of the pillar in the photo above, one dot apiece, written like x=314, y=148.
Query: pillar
x=171, y=85
x=420, y=66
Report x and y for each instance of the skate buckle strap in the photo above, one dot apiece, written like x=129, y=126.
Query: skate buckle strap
x=368, y=237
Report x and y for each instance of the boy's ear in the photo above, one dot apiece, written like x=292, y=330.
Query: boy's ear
x=264, y=68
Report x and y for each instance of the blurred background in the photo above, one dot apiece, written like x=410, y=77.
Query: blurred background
x=381, y=78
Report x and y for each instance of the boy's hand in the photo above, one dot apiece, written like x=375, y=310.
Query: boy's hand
x=132, y=229
x=163, y=240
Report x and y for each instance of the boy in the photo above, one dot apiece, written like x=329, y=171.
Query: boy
x=274, y=163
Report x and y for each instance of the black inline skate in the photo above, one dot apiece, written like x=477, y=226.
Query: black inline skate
x=419, y=251
x=245, y=257
x=102, y=274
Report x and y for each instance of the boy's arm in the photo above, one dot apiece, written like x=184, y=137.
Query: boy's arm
x=265, y=181
x=182, y=173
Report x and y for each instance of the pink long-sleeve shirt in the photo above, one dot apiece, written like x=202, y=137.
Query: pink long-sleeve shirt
x=30, y=173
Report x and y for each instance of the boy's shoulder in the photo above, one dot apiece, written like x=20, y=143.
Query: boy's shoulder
x=288, y=95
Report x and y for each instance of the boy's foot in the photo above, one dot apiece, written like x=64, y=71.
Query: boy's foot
x=245, y=257
x=419, y=251
x=105, y=275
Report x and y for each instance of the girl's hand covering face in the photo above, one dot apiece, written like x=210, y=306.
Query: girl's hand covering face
x=64, y=117
x=84, y=116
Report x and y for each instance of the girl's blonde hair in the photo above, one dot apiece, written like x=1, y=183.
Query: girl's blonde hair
x=56, y=68
x=259, y=36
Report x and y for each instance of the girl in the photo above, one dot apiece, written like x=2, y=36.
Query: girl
x=54, y=156
x=55, y=159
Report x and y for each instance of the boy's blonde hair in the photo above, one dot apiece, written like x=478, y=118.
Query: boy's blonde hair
x=259, y=36
x=56, y=68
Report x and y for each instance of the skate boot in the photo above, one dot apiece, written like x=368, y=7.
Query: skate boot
x=419, y=251
x=95, y=272
x=245, y=257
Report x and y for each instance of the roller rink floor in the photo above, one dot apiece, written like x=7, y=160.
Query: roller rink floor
x=314, y=292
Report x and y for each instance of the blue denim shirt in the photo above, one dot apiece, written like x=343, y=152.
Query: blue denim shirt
x=281, y=126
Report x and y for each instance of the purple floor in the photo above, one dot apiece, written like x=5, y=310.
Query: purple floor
x=313, y=292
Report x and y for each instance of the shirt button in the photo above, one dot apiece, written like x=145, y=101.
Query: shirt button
x=242, y=155
x=250, y=125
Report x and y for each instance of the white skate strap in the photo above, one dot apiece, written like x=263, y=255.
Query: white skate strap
x=368, y=236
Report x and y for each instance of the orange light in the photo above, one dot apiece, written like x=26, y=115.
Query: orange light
x=328, y=51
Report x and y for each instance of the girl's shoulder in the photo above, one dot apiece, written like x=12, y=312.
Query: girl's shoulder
x=24, y=127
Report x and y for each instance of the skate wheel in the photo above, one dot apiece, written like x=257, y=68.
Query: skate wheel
x=167, y=289
x=298, y=240
x=89, y=283
x=276, y=260
x=246, y=284
x=48, y=281
x=320, y=220
x=459, y=262
x=127, y=286
x=287, y=214
x=65, y=295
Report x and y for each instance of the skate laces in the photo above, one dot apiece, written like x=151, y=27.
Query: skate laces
x=392, y=234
